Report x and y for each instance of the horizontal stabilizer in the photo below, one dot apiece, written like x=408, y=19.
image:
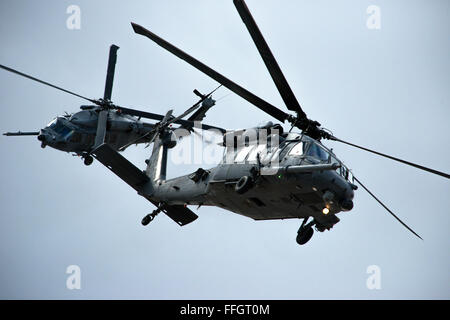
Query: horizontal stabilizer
x=180, y=214
x=138, y=180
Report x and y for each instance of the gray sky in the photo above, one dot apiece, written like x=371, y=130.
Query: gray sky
x=387, y=89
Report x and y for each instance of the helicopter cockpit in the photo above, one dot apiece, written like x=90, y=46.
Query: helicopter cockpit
x=288, y=149
x=56, y=133
x=59, y=127
x=310, y=151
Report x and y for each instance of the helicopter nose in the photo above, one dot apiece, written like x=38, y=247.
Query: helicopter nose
x=347, y=202
x=347, y=205
x=41, y=137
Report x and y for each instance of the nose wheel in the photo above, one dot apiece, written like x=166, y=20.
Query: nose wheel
x=305, y=232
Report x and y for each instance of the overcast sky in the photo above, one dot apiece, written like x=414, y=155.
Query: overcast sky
x=386, y=88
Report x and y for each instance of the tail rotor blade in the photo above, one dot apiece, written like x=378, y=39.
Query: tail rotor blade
x=387, y=209
x=194, y=107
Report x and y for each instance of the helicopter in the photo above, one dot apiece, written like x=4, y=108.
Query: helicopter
x=103, y=121
x=266, y=173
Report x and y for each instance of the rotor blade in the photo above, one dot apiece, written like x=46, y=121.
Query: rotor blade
x=445, y=175
x=139, y=113
x=192, y=124
x=382, y=204
x=159, y=117
x=153, y=132
x=46, y=83
x=271, y=63
x=19, y=133
x=167, y=116
x=240, y=91
x=110, y=71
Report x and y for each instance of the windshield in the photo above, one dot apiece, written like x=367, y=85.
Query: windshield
x=52, y=123
x=59, y=128
x=347, y=174
x=317, y=152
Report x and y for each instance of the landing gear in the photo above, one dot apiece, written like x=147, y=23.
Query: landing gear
x=243, y=184
x=303, y=236
x=88, y=160
x=149, y=218
x=305, y=232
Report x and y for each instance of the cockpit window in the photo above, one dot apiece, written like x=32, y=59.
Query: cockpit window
x=342, y=170
x=317, y=152
x=347, y=174
x=59, y=128
x=52, y=123
x=297, y=150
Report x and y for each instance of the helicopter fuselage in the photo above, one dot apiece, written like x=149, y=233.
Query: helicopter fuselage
x=281, y=194
x=76, y=133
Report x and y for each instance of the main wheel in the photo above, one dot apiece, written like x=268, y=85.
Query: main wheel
x=88, y=160
x=243, y=184
x=304, y=235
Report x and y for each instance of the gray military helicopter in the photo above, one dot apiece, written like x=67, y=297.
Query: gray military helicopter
x=103, y=121
x=266, y=173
